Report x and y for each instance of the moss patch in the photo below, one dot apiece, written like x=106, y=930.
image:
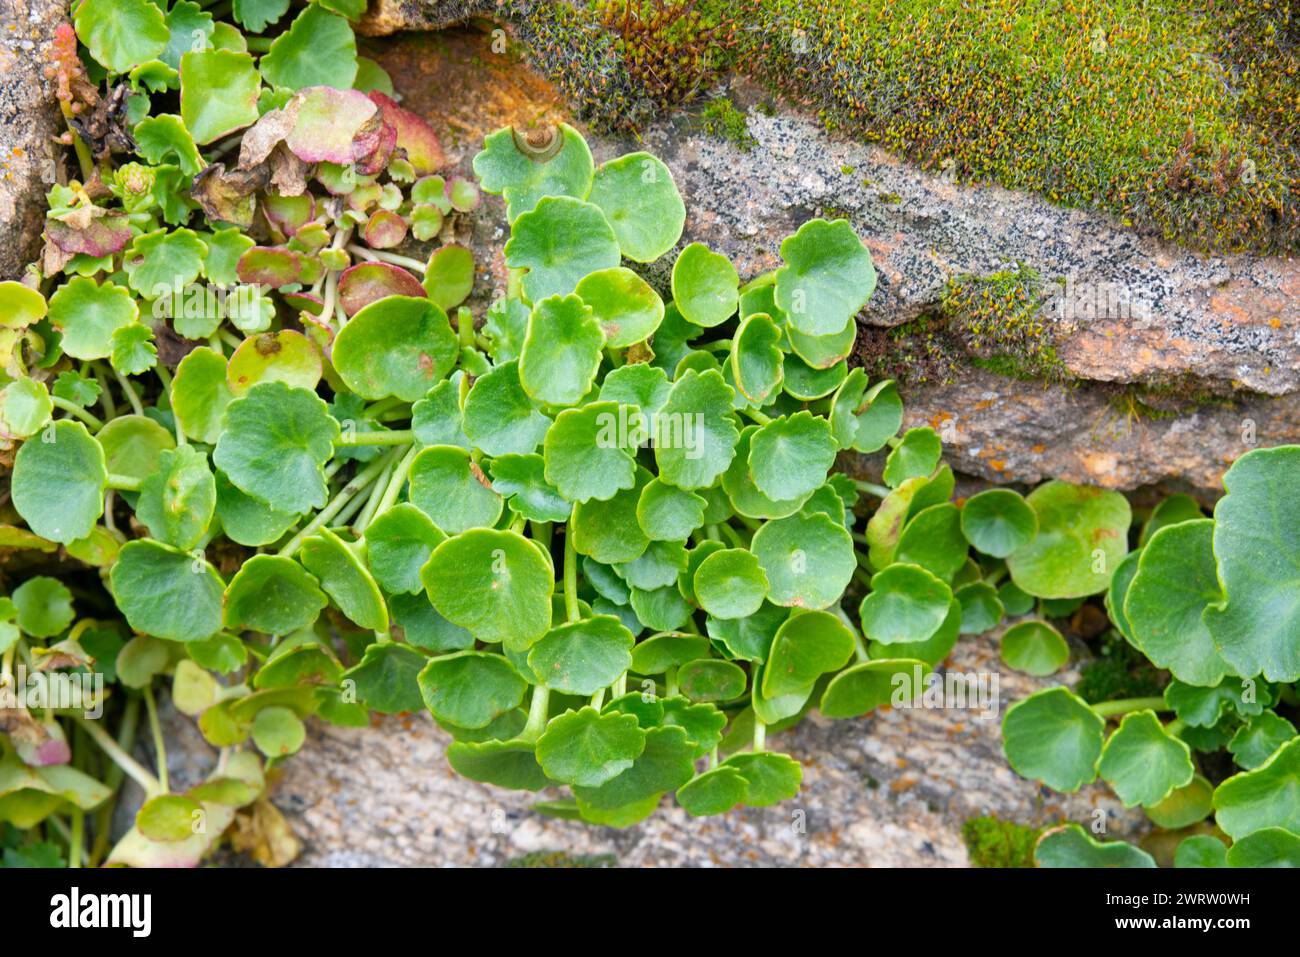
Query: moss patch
x=721, y=118
x=992, y=842
x=1118, y=671
x=562, y=859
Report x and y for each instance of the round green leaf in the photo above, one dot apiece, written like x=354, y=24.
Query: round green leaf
x=397, y=346
x=449, y=275
x=807, y=384
x=522, y=180
x=398, y=543
x=714, y=792
x=177, y=502
x=273, y=595
x=582, y=657
x=932, y=539
x=744, y=494
x=658, y=653
x=25, y=407
x=58, y=485
x=1170, y=511
x=1142, y=762
x=166, y=592
x=757, y=358
x=88, y=314
x=200, y=394
x=808, y=559
x=561, y=351
x=278, y=732
x=626, y=306
x=1082, y=537
x=789, y=457
x=1184, y=806
x=705, y=286
x=345, y=580
x=246, y=520
x=493, y=583
x=449, y=487
x=1176, y=581
x=730, y=584
x=219, y=91
x=932, y=650
x=695, y=431
x=917, y=454
x=906, y=604
x=169, y=817
x=1270, y=847
x=666, y=513
x=710, y=679
x=133, y=445
x=771, y=777
x=1072, y=846
x=121, y=34
x=874, y=684
x=1257, y=544
x=1054, y=737
x=318, y=49
x=639, y=198
x=1265, y=797
x=998, y=521
x=587, y=748
x=274, y=443
x=827, y=277
x=507, y=764
x=560, y=241
x=1034, y=647
x=471, y=689
x=1201, y=850
x=806, y=647
x=44, y=606
x=980, y=607
x=585, y=452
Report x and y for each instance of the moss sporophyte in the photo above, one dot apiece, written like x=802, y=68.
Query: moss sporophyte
x=596, y=532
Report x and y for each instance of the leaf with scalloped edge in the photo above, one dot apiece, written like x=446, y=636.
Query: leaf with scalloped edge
x=121, y=33
x=398, y=346
x=58, y=486
x=274, y=444
x=495, y=584
x=827, y=277
x=166, y=592
x=559, y=242
x=1054, y=737
x=1257, y=628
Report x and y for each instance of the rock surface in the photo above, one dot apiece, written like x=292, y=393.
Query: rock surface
x=29, y=117
x=888, y=790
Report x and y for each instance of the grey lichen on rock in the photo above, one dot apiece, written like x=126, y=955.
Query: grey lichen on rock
x=29, y=119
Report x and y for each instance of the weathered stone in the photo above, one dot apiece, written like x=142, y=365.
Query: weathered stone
x=888, y=790
x=29, y=118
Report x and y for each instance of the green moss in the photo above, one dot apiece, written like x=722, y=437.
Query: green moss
x=996, y=843
x=1118, y=671
x=562, y=859
x=1002, y=320
x=721, y=118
